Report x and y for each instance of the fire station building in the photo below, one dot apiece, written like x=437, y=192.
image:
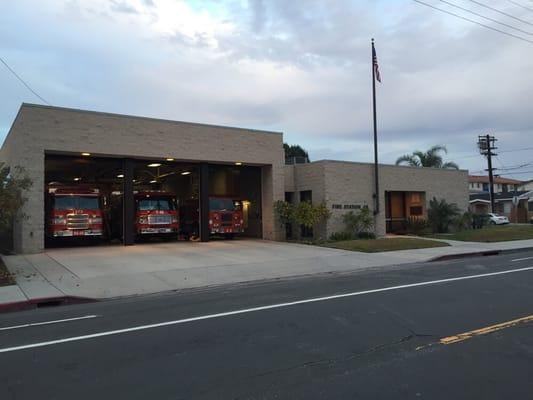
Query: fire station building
x=120, y=156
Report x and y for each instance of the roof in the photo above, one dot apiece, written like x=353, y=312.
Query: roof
x=484, y=197
x=497, y=179
x=324, y=161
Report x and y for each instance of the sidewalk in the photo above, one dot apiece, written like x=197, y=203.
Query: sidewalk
x=117, y=271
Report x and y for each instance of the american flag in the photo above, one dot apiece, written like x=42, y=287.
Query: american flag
x=375, y=64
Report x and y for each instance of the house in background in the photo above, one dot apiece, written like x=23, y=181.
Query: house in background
x=526, y=185
x=517, y=206
x=480, y=184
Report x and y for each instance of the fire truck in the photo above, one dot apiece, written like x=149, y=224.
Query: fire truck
x=156, y=213
x=74, y=211
x=225, y=216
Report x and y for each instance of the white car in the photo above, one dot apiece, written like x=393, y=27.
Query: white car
x=495, y=219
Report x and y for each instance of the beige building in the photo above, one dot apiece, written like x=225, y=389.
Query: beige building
x=404, y=191
x=127, y=154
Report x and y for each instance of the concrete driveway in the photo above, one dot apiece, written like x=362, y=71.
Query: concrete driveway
x=113, y=271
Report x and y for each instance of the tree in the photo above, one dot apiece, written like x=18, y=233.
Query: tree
x=13, y=183
x=441, y=215
x=295, y=151
x=430, y=158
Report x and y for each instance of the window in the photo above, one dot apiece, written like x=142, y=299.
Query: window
x=155, y=205
x=530, y=206
x=289, y=196
x=76, y=202
x=306, y=195
x=485, y=187
x=88, y=203
x=64, y=203
x=415, y=211
x=217, y=204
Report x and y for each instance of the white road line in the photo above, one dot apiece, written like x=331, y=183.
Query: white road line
x=57, y=321
x=522, y=259
x=254, y=309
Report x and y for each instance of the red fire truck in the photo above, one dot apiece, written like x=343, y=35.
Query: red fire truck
x=156, y=213
x=74, y=211
x=225, y=216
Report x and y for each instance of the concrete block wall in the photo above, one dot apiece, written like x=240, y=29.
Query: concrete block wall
x=302, y=177
x=351, y=183
x=40, y=129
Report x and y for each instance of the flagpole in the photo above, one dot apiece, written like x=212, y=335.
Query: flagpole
x=376, y=167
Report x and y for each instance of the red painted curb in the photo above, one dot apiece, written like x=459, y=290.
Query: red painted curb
x=43, y=302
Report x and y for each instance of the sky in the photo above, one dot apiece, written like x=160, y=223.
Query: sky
x=301, y=67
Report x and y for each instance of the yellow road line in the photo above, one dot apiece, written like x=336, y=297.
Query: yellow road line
x=483, y=331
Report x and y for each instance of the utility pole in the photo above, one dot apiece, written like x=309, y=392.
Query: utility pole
x=375, y=75
x=486, y=144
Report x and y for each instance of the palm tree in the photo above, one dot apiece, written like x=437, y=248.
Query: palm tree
x=431, y=159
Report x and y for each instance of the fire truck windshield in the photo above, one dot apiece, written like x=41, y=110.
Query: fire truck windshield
x=155, y=205
x=217, y=204
x=76, y=202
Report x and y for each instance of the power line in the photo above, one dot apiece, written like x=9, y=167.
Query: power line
x=501, y=12
x=487, y=18
x=23, y=82
x=520, y=5
x=513, y=150
x=474, y=22
x=502, y=166
x=519, y=173
x=527, y=164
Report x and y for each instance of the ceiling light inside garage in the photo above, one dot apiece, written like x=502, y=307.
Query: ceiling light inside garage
x=154, y=181
x=238, y=163
x=77, y=179
x=120, y=176
x=85, y=154
x=186, y=172
x=154, y=165
x=170, y=159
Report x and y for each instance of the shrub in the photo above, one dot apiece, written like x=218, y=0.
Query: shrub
x=360, y=221
x=479, y=221
x=441, y=215
x=366, y=235
x=13, y=183
x=338, y=236
x=285, y=212
x=309, y=215
x=464, y=221
x=416, y=225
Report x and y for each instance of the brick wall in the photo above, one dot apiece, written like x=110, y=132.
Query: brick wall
x=38, y=129
x=343, y=184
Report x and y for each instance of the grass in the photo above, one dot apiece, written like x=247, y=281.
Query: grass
x=6, y=278
x=500, y=233
x=386, y=244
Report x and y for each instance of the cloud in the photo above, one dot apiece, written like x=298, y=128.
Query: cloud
x=302, y=68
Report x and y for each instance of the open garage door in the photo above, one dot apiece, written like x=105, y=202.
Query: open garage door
x=237, y=188
x=89, y=200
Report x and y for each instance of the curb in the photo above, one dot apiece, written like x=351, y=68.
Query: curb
x=478, y=254
x=44, y=302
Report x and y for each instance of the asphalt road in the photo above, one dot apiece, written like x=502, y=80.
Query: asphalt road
x=380, y=339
